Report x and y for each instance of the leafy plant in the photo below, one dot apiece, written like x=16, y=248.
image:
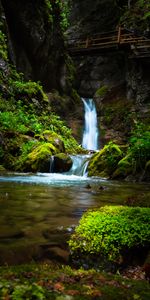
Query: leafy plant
x=29, y=292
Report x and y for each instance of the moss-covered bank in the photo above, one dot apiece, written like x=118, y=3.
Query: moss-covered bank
x=41, y=282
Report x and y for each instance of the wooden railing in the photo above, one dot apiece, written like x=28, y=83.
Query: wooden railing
x=119, y=39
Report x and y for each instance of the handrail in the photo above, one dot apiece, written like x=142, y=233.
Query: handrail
x=118, y=37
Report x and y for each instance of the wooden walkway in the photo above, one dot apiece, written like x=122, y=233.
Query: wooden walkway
x=121, y=39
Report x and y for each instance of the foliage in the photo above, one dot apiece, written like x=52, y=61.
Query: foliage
x=19, y=121
x=111, y=230
x=137, y=16
x=30, y=88
x=138, y=153
x=64, y=11
x=140, y=145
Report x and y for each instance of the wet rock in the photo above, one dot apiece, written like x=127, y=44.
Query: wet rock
x=62, y=163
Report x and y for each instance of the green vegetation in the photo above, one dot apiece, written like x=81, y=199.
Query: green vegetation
x=112, y=231
x=137, y=16
x=116, y=161
x=24, y=132
x=59, y=9
x=50, y=282
x=49, y=11
x=64, y=11
x=30, y=131
x=102, y=91
x=137, y=156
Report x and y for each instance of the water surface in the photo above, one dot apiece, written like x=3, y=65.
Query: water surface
x=39, y=211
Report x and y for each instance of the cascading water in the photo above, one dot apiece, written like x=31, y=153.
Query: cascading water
x=90, y=134
x=80, y=163
x=90, y=141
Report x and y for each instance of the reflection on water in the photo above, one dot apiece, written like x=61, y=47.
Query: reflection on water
x=36, y=210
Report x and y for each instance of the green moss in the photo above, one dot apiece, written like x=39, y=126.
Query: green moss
x=105, y=161
x=111, y=231
x=102, y=91
x=40, y=156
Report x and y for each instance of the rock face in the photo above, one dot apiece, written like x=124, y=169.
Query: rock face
x=36, y=44
x=93, y=16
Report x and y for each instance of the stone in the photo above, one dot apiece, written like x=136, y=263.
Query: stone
x=62, y=163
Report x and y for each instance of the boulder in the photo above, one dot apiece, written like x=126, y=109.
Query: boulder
x=62, y=163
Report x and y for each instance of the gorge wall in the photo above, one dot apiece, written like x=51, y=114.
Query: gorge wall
x=36, y=44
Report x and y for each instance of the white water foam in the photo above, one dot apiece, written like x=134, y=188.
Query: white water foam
x=90, y=134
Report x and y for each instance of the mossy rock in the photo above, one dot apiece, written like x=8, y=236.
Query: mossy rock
x=39, y=158
x=113, y=234
x=104, y=163
x=125, y=167
x=2, y=169
x=62, y=163
x=55, y=139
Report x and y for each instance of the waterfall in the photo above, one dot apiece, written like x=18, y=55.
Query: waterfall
x=90, y=141
x=51, y=168
x=79, y=166
x=90, y=134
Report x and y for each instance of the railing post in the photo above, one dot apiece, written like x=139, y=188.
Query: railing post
x=87, y=42
x=119, y=35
